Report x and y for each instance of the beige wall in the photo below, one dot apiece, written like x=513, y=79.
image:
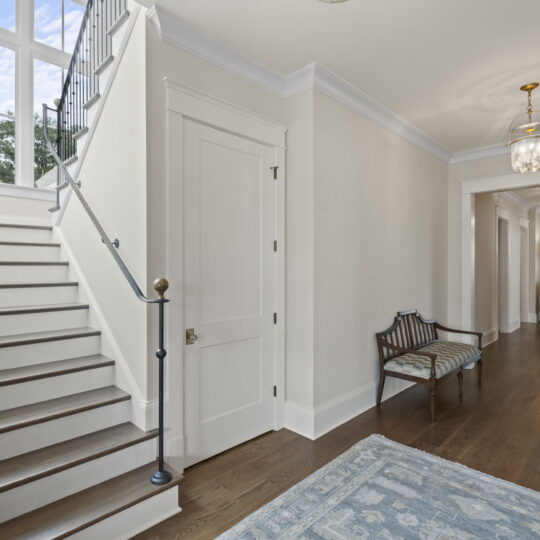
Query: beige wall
x=380, y=243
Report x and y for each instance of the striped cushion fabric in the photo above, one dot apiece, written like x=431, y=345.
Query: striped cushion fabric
x=450, y=356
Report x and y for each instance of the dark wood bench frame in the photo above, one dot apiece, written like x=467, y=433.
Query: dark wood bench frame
x=408, y=333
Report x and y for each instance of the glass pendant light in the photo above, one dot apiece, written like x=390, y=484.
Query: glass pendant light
x=524, y=137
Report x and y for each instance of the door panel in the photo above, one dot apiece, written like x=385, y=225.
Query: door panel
x=229, y=289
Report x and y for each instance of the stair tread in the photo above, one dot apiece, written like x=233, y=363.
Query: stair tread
x=85, y=508
x=50, y=335
x=22, y=226
x=31, y=466
x=29, y=244
x=44, y=411
x=18, y=310
x=52, y=369
x=37, y=285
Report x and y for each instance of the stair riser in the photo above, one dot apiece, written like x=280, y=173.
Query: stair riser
x=20, y=441
x=135, y=519
x=17, y=395
x=9, y=234
x=35, y=494
x=29, y=253
x=43, y=322
x=26, y=355
x=33, y=274
x=38, y=296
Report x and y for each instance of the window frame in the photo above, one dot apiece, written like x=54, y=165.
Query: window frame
x=26, y=51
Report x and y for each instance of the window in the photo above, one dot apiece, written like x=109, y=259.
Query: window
x=47, y=88
x=7, y=116
x=57, y=23
x=7, y=14
x=40, y=45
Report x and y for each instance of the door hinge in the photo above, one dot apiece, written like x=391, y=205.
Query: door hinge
x=275, y=171
x=275, y=245
x=275, y=391
x=275, y=318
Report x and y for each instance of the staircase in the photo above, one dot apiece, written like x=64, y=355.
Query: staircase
x=71, y=462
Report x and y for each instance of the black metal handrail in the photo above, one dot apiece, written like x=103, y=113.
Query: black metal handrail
x=92, y=50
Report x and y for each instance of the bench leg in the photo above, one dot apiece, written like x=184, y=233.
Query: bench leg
x=460, y=384
x=432, y=397
x=479, y=367
x=381, y=388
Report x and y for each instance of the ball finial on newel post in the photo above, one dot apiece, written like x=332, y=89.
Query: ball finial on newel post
x=161, y=285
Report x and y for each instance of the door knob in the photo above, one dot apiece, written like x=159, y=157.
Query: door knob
x=191, y=336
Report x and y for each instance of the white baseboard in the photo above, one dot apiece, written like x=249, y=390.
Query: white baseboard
x=490, y=336
x=316, y=422
x=300, y=420
x=512, y=327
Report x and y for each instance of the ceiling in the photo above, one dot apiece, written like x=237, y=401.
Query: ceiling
x=528, y=195
x=450, y=67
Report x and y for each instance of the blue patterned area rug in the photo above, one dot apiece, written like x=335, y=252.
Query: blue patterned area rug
x=380, y=489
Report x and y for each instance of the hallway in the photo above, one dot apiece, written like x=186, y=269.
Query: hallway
x=495, y=431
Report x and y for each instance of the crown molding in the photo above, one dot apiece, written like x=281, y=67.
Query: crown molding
x=479, y=153
x=176, y=31
x=515, y=199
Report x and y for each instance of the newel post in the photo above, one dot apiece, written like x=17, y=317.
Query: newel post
x=161, y=476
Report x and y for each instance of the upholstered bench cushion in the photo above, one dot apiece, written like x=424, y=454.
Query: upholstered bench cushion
x=450, y=356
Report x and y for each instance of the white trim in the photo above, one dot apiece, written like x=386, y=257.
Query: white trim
x=178, y=32
x=26, y=192
x=513, y=326
x=482, y=152
x=515, y=199
x=523, y=222
x=300, y=420
x=533, y=318
x=490, y=336
x=502, y=182
x=183, y=103
x=314, y=423
x=337, y=88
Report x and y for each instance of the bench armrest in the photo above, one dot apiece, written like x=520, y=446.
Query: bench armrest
x=401, y=350
x=454, y=331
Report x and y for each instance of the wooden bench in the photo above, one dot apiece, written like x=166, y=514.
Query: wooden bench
x=411, y=349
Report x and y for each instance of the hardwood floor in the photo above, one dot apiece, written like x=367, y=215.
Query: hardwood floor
x=496, y=430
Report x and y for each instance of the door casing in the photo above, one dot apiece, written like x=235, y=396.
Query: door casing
x=183, y=102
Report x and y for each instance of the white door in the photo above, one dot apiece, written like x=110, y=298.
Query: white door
x=230, y=290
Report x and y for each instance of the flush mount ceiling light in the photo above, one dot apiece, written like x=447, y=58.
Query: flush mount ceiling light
x=524, y=137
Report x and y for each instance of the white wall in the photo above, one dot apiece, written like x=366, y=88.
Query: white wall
x=113, y=177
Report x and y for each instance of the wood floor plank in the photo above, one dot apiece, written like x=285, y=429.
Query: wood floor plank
x=494, y=431
x=16, y=340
